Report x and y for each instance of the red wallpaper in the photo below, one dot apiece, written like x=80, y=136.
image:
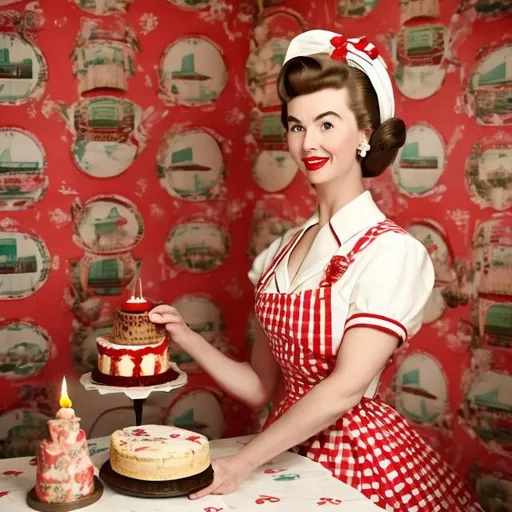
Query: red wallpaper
x=451, y=187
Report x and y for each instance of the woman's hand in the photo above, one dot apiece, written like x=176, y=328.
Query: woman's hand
x=229, y=473
x=166, y=315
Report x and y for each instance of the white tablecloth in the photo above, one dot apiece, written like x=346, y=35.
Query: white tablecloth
x=288, y=483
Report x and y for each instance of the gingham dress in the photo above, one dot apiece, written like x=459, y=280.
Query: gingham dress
x=371, y=447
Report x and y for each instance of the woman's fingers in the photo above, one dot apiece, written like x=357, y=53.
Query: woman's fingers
x=204, y=492
x=163, y=314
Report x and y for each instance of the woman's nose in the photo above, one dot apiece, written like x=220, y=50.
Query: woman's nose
x=310, y=141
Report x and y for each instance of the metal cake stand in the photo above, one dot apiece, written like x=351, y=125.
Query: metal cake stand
x=138, y=395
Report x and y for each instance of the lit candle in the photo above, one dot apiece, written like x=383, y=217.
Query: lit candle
x=65, y=412
x=136, y=303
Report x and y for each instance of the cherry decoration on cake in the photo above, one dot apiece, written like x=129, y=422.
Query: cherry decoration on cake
x=136, y=303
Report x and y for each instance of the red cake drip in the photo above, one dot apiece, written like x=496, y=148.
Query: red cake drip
x=132, y=382
x=136, y=356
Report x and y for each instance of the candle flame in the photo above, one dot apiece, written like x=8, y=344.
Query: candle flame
x=65, y=401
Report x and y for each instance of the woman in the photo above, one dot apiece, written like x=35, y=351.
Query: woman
x=335, y=297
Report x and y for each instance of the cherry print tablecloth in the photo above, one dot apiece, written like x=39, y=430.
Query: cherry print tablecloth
x=287, y=483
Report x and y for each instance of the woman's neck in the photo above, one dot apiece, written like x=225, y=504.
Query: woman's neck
x=334, y=195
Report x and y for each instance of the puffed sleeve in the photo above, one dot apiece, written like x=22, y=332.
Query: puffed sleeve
x=263, y=260
x=391, y=293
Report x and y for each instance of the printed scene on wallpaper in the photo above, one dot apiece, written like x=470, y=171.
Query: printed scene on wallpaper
x=139, y=149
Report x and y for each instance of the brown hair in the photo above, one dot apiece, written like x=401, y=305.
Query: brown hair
x=305, y=75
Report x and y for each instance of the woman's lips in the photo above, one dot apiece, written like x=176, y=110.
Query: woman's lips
x=314, y=163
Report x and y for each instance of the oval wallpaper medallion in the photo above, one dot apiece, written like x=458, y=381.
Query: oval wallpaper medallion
x=105, y=135
x=274, y=170
x=85, y=351
x=24, y=264
x=262, y=70
x=492, y=256
x=266, y=227
x=191, y=4
x=192, y=72
x=107, y=225
x=489, y=173
x=104, y=55
x=420, y=53
x=487, y=409
x=492, y=316
x=421, y=390
x=191, y=165
x=421, y=161
x=489, y=91
x=433, y=237
x=24, y=349
x=24, y=72
x=411, y=10
x=96, y=274
x=197, y=246
x=204, y=318
x=21, y=431
x=103, y=7
x=22, y=165
x=357, y=9
x=199, y=411
x=266, y=128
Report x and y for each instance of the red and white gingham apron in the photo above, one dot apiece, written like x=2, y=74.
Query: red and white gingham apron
x=371, y=447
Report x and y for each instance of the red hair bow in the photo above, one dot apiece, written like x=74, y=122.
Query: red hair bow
x=363, y=45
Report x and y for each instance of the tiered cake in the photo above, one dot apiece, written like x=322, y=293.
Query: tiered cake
x=158, y=453
x=65, y=473
x=136, y=353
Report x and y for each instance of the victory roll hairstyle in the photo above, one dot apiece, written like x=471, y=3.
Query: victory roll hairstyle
x=308, y=74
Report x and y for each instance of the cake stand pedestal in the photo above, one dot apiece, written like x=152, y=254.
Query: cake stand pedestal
x=137, y=394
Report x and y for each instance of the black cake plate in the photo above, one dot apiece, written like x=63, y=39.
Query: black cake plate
x=151, y=489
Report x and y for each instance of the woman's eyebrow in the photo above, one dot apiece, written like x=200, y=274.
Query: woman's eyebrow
x=292, y=119
x=328, y=113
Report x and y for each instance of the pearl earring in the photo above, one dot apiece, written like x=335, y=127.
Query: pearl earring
x=363, y=150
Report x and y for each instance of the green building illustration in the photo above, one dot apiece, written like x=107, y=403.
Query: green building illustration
x=411, y=158
x=8, y=165
x=188, y=70
x=491, y=402
x=499, y=75
x=183, y=160
x=110, y=223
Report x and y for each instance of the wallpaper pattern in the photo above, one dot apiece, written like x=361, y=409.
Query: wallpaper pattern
x=143, y=138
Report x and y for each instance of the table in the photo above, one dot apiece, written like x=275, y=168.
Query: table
x=287, y=483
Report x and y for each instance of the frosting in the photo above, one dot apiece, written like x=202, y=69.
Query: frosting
x=132, y=360
x=65, y=472
x=158, y=452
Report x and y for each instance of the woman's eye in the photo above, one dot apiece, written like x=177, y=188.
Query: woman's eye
x=327, y=125
x=296, y=128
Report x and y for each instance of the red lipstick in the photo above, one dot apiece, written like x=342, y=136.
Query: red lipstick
x=313, y=163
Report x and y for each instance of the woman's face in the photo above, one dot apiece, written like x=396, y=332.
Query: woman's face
x=323, y=136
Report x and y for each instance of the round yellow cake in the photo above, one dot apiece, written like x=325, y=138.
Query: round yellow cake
x=158, y=452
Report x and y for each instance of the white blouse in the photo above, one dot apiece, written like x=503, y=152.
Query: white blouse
x=386, y=287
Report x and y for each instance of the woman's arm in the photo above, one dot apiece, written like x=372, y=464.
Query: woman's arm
x=252, y=383
x=363, y=353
